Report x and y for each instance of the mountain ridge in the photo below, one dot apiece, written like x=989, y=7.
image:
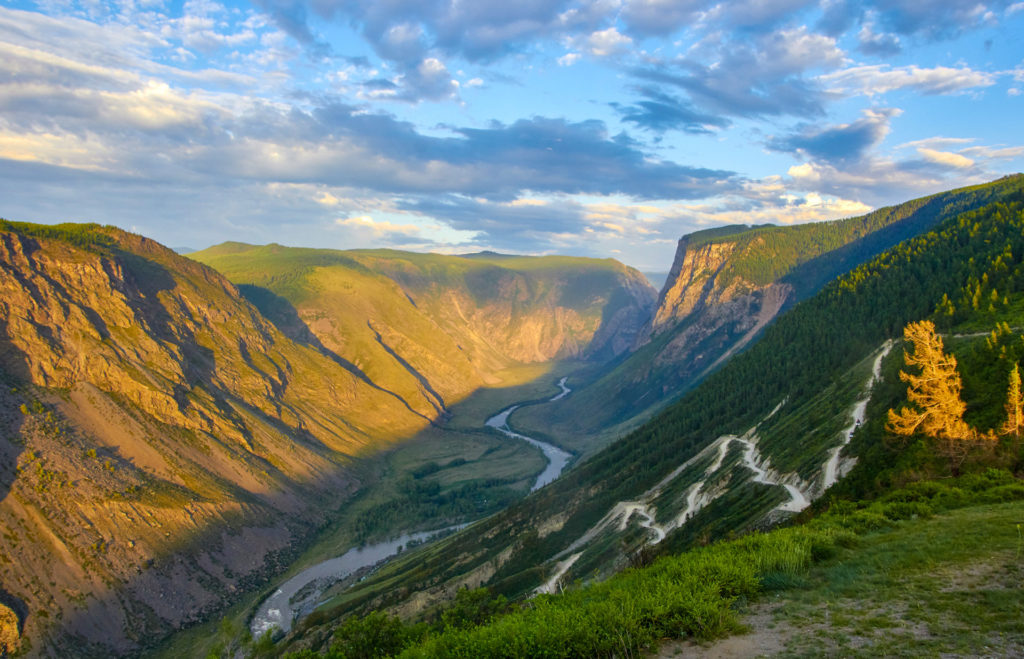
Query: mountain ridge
x=727, y=284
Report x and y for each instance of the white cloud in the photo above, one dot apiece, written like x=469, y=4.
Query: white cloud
x=568, y=59
x=378, y=227
x=946, y=158
x=873, y=80
x=607, y=42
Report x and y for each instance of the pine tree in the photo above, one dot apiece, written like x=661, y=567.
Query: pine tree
x=1014, y=405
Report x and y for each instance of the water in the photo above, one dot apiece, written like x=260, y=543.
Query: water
x=557, y=458
x=279, y=611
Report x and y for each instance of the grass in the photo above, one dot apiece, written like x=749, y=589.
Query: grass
x=934, y=568
x=950, y=585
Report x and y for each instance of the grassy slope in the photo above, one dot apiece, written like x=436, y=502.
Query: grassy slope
x=927, y=569
x=950, y=586
x=428, y=327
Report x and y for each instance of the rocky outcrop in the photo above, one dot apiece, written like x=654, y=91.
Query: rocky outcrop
x=162, y=445
x=10, y=637
x=691, y=282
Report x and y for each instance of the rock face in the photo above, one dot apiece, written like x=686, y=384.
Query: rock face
x=706, y=312
x=162, y=445
x=691, y=282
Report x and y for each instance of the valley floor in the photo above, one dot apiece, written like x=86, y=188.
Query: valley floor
x=952, y=585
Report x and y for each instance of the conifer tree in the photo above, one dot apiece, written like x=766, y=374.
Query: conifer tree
x=935, y=393
x=1014, y=405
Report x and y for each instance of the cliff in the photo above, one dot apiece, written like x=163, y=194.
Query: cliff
x=162, y=442
x=725, y=286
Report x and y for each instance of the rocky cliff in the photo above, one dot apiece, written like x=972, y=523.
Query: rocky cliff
x=161, y=441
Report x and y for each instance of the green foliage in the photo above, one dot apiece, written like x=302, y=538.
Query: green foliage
x=472, y=608
x=85, y=236
x=692, y=594
x=419, y=498
x=375, y=635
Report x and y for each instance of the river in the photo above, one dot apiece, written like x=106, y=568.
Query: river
x=280, y=611
x=556, y=457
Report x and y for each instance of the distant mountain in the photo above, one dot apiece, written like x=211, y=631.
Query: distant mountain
x=761, y=437
x=432, y=328
x=726, y=285
x=657, y=279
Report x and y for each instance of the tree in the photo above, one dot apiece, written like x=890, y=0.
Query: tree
x=935, y=391
x=938, y=410
x=1014, y=405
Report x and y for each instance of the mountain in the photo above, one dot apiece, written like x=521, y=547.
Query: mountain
x=760, y=438
x=432, y=328
x=166, y=447
x=163, y=443
x=726, y=285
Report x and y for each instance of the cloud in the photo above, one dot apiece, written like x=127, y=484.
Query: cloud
x=759, y=16
x=569, y=59
x=510, y=226
x=843, y=142
x=881, y=179
x=759, y=79
x=872, y=43
x=930, y=20
x=873, y=80
x=605, y=43
x=661, y=112
x=660, y=17
x=379, y=228
x=946, y=158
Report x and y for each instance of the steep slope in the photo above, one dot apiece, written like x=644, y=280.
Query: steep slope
x=162, y=443
x=166, y=446
x=432, y=328
x=760, y=437
x=725, y=287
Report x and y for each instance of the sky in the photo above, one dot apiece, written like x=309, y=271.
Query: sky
x=605, y=128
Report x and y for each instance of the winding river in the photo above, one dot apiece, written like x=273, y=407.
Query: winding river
x=556, y=457
x=280, y=609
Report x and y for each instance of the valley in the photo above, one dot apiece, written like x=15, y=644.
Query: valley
x=799, y=411
x=256, y=418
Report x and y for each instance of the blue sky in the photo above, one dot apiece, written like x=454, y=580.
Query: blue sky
x=587, y=127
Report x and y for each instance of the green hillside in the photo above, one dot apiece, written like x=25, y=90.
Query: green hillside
x=967, y=275
x=753, y=269
x=431, y=328
x=926, y=570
